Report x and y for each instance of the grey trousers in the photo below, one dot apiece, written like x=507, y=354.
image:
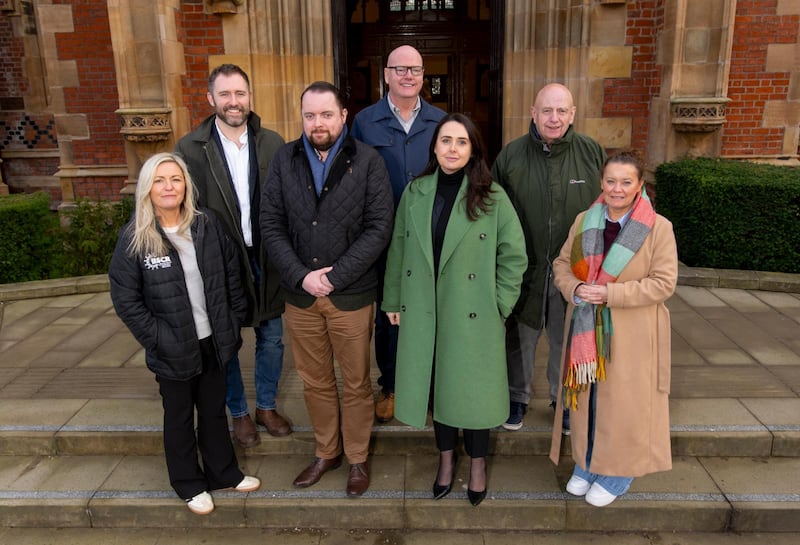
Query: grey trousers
x=521, y=349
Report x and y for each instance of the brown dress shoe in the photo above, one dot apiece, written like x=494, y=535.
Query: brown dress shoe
x=245, y=432
x=316, y=470
x=276, y=425
x=357, y=480
x=384, y=408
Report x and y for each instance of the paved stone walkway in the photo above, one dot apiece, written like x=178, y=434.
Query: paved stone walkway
x=80, y=423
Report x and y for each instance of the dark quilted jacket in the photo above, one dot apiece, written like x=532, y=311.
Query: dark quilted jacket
x=150, y=296
x=347, y=227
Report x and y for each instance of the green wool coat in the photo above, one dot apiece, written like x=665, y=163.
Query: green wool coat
x=462, y=318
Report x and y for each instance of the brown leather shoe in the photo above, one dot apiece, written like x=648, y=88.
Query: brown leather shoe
x=316, y=470
x=245, y=432
x=357, y=480
x=276, y=425
x=384, y=408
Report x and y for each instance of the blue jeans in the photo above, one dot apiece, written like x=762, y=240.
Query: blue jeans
x=268, y=363
x=268, y=367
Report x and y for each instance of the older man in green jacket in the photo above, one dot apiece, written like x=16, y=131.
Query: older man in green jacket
x=551, y=174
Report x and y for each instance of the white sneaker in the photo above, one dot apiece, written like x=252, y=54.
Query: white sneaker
x=248, y=484
x=201, y=504
x=578, y=486
x=599, y=496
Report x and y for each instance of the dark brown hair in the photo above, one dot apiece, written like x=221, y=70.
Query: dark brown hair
x=226, y=70
x=627, y=157
x=479, y=179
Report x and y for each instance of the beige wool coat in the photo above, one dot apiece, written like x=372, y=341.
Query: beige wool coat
x=632, y=435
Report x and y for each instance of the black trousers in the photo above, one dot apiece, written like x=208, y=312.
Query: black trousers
x=206, y=392
x=476, y=442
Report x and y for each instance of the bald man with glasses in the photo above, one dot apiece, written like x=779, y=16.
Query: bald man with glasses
x=400, y=126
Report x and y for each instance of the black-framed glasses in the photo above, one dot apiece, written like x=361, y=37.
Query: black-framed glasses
x=403, y=70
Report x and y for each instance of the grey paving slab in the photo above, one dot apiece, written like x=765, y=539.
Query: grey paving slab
x=775, y=413
x=38, y=413
x=36, y=344
x=76, y=474
x=740, y=300
x=8, y=374
x=726, y=356
x=30, y=383
x=683, y=353
x=757, y=341
x=31, y=323
x=116, y=351
x=725, y=381
x=703, y=413
x=699, y=333
x=697, y=297
x=14, y=310
x=100, y=383
x=92, y=335
x=84, y=536
x=246, y=536
x=117, y=414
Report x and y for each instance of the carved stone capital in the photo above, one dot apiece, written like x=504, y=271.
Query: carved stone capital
x=223, y=6
x=145, y=124
x=698, y=114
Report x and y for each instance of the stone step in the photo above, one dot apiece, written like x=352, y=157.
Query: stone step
x=526, y=493
x=714, y=427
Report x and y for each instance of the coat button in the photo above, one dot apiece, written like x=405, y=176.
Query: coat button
x=408, y=273
x=314, y=222
x=483, y=236
x=403, y=308
x=314, y=259
x=471, y=276
x=473, y=315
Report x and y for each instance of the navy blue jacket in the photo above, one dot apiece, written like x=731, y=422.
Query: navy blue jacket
x=405, y=155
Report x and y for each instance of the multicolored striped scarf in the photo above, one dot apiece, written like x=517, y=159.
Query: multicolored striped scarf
x=589, y=340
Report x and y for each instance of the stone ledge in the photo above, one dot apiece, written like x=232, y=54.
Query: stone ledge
x=54, y=288
x=687, y=276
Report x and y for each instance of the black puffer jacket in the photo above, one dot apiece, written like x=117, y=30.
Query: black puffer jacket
x=347, y=227
x=150, y=296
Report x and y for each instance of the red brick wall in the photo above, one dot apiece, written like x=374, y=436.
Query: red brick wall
x=12, y=50
x=749, y=85
x=201, y=35
x=96, y=95
x=630, y=97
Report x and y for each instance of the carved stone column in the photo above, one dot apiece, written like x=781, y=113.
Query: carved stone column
x=695, y=48
x=149, y=63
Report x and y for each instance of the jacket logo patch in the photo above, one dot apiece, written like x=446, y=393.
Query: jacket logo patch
x=153, y=262
x=577, y=181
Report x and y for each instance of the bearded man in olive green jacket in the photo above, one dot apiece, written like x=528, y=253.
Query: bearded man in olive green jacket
x=551, y=175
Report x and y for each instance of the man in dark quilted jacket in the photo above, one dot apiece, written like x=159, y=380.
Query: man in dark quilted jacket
x=326, y=215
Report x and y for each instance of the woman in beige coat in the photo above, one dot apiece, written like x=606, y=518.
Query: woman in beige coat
x=617, y=268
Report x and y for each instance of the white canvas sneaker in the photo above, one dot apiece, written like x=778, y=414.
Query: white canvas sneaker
x=578, y=486
x=248, y=484
x=201, y=504
x=599, y=496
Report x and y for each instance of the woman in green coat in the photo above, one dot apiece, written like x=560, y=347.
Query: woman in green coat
x=453, y=275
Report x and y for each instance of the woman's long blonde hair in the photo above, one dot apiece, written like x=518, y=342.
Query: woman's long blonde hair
x=146, y=239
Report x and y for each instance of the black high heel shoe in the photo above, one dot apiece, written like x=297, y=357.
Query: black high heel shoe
x=474, y=497
x=440, y=491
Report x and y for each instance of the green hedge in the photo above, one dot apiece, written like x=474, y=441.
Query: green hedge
x=34, y=246
x=91, y=234
x=29, y=238
x=731, y=214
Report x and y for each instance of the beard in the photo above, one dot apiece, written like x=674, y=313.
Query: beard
x=233, y=120
x=323, y=140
